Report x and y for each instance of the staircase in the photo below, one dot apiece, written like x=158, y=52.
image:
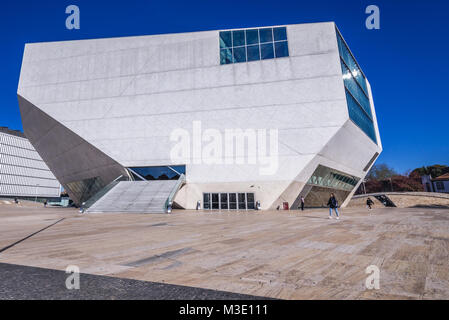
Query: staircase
x=137, y=197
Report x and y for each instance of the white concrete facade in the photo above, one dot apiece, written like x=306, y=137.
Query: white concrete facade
x=22, y=171
x=126, y=96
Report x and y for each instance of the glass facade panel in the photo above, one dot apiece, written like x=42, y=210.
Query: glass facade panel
x=253, y=53
x=266, y=35
x=253, y=44
x=225, y=39
x=359, y=117
x=350, y=62
x=85, y=189
x=355, y=89
x=238, y=38
x=250, y=201
x=239, y=54
x=330, y=178
x=280, y=33
x=252, y=36
x=226, y=56
x=215, y=201
x=223, y=201
x=242, y=201
x=159, y=173
x=206, y=201
x=281, y=49
x=232, y=201
x=266, y=51
x=357, y=98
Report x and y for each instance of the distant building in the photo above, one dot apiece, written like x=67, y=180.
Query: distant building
x=23, y=173
x=439, y=184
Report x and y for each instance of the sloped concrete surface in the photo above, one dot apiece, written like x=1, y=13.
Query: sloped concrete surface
x=135, y=197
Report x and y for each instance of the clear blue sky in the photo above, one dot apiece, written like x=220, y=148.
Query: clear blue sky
x=406, y=61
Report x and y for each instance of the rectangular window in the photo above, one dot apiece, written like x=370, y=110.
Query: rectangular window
x=215, y=201
x=232, y=201
x=206, y=201
x=253, y=44
x=242, y=201
x=224, y=201
x=440, y=185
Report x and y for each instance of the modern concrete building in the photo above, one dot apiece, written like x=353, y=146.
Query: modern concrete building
x=23, y=173
x=226, y=117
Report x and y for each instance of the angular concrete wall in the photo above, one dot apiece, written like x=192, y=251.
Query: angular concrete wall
x=69, y=157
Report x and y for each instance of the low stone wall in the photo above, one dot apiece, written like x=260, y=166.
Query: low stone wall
x=405, y=200
x=408, y=201
x=361, y=202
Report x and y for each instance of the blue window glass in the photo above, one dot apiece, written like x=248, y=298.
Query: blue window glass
x=225, y=39
x=266, y=51
x=239, y=54
x=266, y=35
x=253, y=53
x=252, y=36
x=280, y=33
x=350, y=62
x=353, y=87
x=253, y=45
x=226, y=56
x=281, y=49
x=359, y=117
x=159, y=173
x=238, y=38
x=357, y=98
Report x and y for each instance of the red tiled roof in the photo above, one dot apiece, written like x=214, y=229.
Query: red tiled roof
x=443, y=177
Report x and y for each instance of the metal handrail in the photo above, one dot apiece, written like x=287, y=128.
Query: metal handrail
x=169, y=201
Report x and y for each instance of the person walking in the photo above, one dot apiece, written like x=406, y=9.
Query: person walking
x=333, y=204
x=302, y=203
x=45, y=203
x=369, y=203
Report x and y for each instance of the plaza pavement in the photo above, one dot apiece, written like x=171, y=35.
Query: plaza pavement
x=278, y=254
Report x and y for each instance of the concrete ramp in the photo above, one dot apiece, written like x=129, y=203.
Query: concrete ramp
x=136, y=197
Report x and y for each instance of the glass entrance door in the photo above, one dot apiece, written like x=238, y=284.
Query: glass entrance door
x=228, y=201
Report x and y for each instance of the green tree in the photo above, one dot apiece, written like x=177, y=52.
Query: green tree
x=435, y=170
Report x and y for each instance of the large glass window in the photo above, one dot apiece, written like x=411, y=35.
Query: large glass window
x=158, y=173
x=253, y=44
x=357, y=98
x=330, y=178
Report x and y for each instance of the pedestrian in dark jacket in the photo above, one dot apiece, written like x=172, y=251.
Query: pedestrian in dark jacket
x=333, y=204
x=302, y=203
x=369, y=203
